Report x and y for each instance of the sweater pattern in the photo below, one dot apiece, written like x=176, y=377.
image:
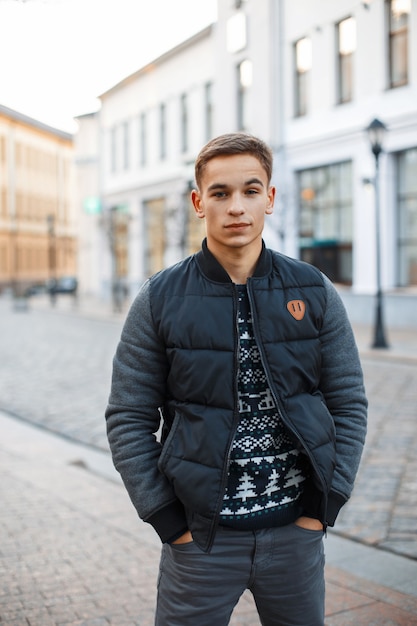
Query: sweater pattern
x=266, y=471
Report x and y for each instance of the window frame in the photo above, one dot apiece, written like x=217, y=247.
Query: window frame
x=113, y=149
x=143, y=139
x=243, y=90
x=184, y=122
x=393, y=36
x=405, y=198
x=208, y=109
x=329, y=243
x=162, y=131
x=345, y=69
x=301, y=80
x=126, y=144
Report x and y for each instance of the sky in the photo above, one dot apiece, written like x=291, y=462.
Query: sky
x=58, y=56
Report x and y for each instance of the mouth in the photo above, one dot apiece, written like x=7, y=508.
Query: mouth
x=237, y=226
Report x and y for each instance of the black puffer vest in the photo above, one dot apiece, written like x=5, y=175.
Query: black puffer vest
x=195, y=310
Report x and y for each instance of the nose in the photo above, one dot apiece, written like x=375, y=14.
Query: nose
x=236, y=205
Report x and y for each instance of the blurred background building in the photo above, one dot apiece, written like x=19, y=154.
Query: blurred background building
x=148, y=131
x=38, y=240
x=307, y=77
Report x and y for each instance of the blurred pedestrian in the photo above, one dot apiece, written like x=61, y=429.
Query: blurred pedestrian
x=250, y=359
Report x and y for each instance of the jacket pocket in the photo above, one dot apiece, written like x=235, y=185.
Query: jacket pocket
x=314, y=423
x=165, y=453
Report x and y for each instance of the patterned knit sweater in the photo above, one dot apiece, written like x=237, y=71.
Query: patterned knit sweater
x=266, y=471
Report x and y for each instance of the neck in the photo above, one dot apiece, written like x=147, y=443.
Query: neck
x=238, y=275
x=239, y=263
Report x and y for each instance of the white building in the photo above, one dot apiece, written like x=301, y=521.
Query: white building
x=152, y=124
x=308, y=77
x=90, y=237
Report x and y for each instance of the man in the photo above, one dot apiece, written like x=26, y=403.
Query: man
x=249, y=358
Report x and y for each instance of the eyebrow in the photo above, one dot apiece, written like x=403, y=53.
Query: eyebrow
x=254, y=181
x=248, y=183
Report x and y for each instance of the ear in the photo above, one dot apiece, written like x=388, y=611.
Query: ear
x=197, y=203
x=271, y=199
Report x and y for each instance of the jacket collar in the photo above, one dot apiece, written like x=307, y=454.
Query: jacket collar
x=211, y=268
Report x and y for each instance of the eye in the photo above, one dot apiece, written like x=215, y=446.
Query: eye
x=252, y=191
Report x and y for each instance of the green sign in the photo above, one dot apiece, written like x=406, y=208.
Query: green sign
x=92, y=205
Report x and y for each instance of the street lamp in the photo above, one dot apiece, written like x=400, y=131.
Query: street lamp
x=376, y=133
x=50, y=220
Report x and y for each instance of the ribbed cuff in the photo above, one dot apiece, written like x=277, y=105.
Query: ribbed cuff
x=169, y=522
x=334, y=504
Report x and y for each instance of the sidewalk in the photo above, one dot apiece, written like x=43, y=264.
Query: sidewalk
x=74, y=553
x=402, y=343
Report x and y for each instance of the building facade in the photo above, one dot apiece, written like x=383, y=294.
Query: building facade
x=37, y=204
x=352, y=62
x=89, y=223
x=308, y=78
x=151, y=125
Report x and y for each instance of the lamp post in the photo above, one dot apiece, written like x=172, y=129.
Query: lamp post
x=376, y=132
x=50, y=220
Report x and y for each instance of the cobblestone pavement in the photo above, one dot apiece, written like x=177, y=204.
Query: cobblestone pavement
x=74, y=553
x=383, y=508
x=55, y=369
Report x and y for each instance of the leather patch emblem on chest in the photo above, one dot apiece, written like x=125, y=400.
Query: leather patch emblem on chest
x=297, y=308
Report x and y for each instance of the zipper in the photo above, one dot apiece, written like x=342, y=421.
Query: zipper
x=235, y=419
x=278, y=403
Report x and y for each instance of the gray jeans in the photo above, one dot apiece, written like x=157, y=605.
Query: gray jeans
x=283, y=568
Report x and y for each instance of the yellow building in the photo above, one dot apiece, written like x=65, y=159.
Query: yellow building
x=37, y=206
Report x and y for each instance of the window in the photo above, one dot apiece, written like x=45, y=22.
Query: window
x=184, y=123
x=2, y=149
x=208, y=101
x=325, y=204
x=244, y=80
x=346, y=40
x=303, y=63
x=407, y=217
x=142, y=140
x=113, y=149
x=194, y=228
x=155, y=235
x=236, y=32
x=3, y=202
x=162, y=132
x=398, y=20
x=125, y=130
x=119, y=233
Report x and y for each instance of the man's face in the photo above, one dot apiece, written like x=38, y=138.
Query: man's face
x=234, y=197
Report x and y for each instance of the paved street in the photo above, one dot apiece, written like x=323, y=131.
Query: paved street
x=55, y=371
x=72, y=551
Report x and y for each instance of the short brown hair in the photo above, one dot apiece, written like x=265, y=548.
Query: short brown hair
x=230, y=144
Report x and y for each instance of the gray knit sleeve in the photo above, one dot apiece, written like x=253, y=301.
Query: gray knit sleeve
x=138, y=391
x=343, y=388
